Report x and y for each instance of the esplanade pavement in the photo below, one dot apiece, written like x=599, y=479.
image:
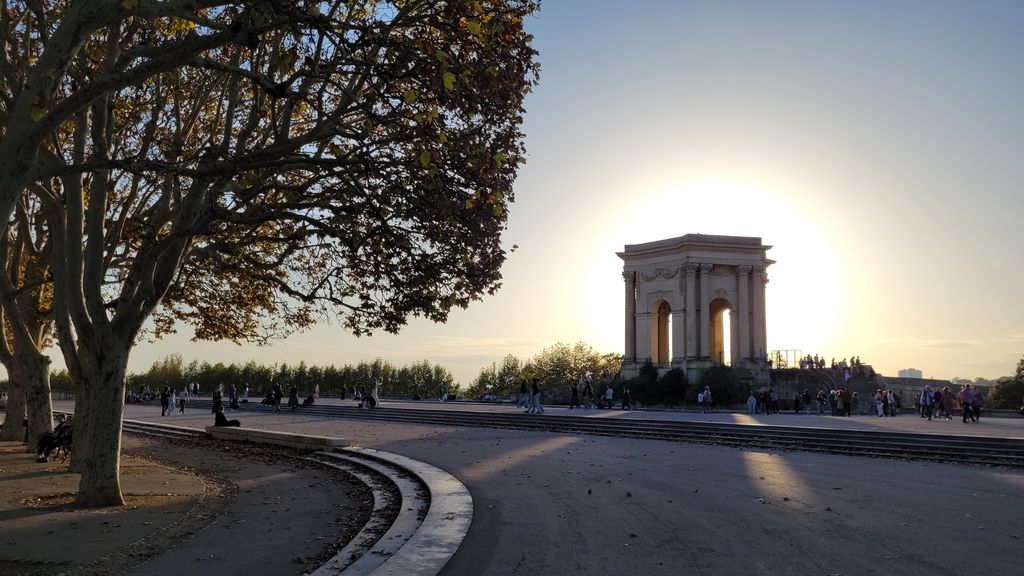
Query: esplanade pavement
x=550, y=503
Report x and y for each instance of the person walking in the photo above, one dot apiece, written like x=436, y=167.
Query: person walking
x=524, y=394
x=588, y=395
x=574, y=396
x=293, y=398
x=926, y=400
x=535, y=405
x=182, y=400
x=164, y=395
x=627, y=403
x=609, y=395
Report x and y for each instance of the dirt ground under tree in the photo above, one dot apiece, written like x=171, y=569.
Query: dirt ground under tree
x=192, y=506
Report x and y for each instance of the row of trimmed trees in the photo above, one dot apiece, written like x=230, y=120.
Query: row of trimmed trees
x=247, y=167
x=418, y=378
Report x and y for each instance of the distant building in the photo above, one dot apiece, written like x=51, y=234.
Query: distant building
x=911, y=373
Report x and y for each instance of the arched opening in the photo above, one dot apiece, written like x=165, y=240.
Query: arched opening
x=721, y=331
x=661, y=334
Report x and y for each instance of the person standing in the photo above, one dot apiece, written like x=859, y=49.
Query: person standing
x=164, y=394
x=218, y=397
x=293, y=398
x=574, y=396
x=751, y=404
x=375, y=393
x=820, y=400
x=278, y=394
x=182, y=400
x=609, y=395
x=707, y=399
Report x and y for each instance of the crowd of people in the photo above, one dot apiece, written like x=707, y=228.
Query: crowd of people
x=935, y=404
x=581, y=396
x=853, y=367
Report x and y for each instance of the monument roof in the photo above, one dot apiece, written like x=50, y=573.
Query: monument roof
x=695, y=241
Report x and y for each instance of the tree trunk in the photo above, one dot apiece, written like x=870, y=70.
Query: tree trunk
x=101, y=484
x=32, y=370
x=14, y=424
x=80, y=452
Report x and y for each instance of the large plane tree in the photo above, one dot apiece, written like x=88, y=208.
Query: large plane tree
x=256, y=166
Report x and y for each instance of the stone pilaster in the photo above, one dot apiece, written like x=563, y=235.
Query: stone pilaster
x=629, y=279
x=690, y=337
x=743, y=310
x=759, y=280
x=705, y=310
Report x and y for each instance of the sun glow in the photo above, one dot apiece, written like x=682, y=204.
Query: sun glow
x=805, y=292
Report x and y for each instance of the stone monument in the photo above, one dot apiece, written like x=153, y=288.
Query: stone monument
x=678, y=293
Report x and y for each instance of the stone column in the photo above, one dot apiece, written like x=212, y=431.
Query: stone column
x=734, y=339
x=690, y=337
x=678, y=336
x=705, y=311
x=743, y=310
x=643, y=341
x=630, y=281
x=758, y=319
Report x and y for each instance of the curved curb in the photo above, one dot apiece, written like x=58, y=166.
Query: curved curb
x=441, y=531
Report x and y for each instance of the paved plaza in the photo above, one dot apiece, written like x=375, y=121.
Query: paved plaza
x=558, y=504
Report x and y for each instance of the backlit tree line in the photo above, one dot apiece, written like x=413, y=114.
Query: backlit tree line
x=418, y=378
x=557, y=366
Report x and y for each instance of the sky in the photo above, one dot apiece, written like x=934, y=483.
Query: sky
x=877, y=146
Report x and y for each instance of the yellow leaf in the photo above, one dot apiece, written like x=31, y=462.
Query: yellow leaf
x=37, y=113
x=499, y=159
x=425, y=158
x=449, y=81
x=410, y=96
x=469, y=204
x=473, y=26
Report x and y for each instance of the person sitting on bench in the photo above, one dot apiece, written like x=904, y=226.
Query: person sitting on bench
x=308, y=401
x=48, y=441
x=221, y=420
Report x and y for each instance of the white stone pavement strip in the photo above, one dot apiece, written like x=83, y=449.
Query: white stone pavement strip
x=407, y=549
x=369, y=549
